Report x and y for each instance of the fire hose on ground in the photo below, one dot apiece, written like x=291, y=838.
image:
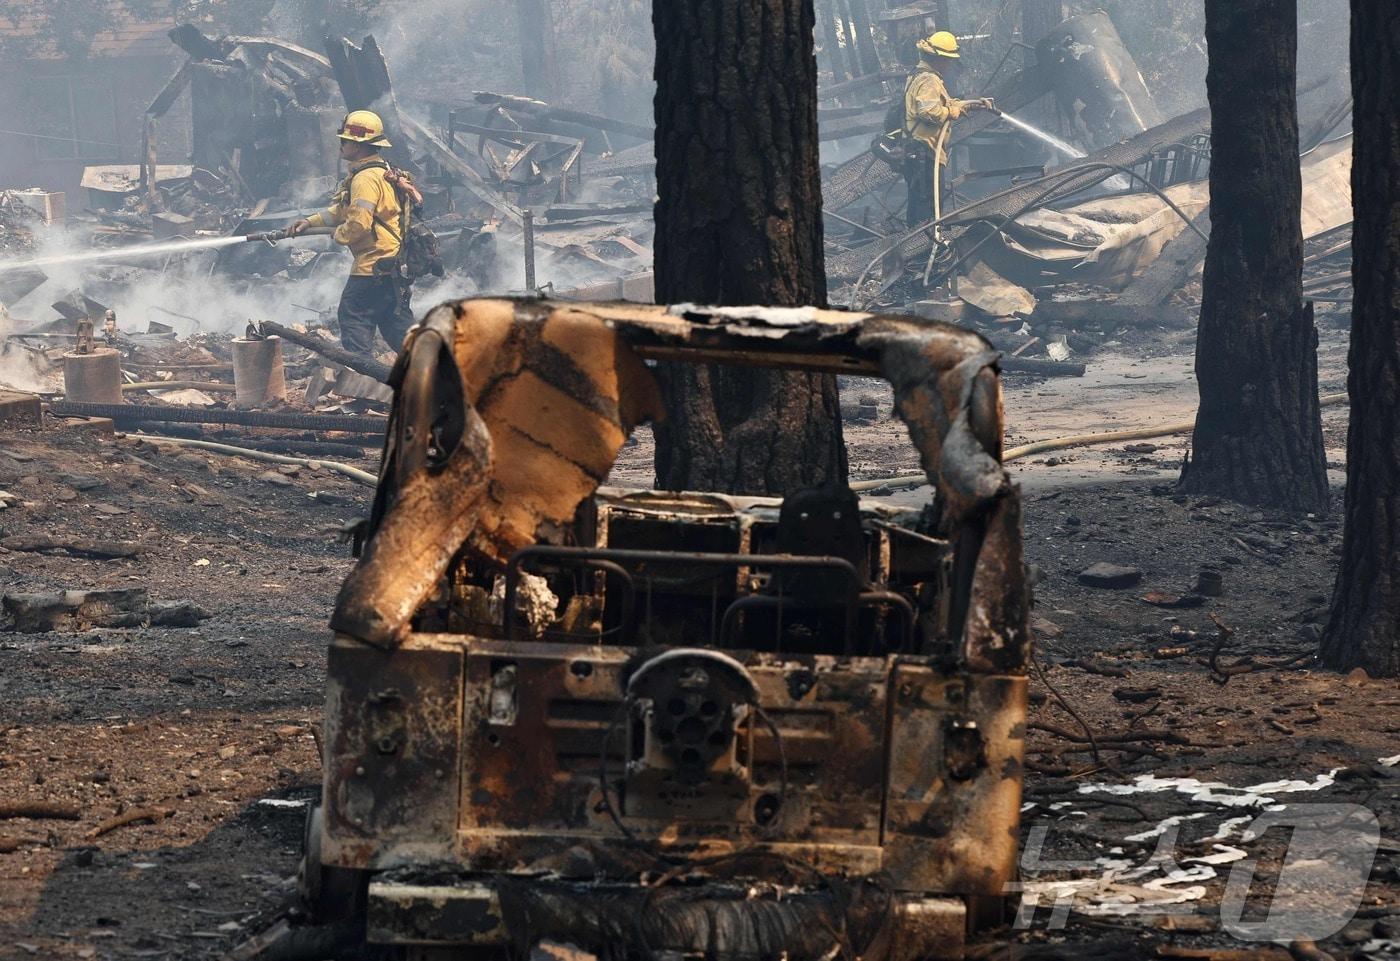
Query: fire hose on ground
x=907, y=481
x=345, y=423
x=354, y=473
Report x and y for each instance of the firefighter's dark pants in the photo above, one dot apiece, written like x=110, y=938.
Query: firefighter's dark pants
x=379, y=301
x=918, y=177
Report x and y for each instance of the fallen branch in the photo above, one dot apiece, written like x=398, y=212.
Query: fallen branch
x=1223, y=954
x=1088, y=731
x=40, y=811
x=1127, y=737
x=77, y=546
x=1112, y=802
x=153, y=815
x=1094, y=667
x=1221, y=674
x=1045, y=368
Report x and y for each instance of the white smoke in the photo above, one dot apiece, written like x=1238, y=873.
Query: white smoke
x=21, y=367
x=187, y=291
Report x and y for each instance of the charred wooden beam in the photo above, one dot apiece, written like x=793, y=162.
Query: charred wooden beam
x=362, y=365
x=538, y=108
x=363, y=76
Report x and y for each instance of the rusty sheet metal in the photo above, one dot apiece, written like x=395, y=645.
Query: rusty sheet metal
x=425, y=505
x=560, y=393
x=392, y=747
x=954, y=783
x=528, y=797
x=530, y=786
x=996, y=635
x=507, y=416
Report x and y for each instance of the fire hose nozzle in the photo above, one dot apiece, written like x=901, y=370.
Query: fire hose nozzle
x=270, y=238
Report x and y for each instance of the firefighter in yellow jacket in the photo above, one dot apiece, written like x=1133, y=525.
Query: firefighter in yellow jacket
x=929, y=112
x=368, y=219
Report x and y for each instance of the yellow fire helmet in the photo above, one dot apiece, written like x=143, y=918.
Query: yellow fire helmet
x=364, y=126
x=940, y=44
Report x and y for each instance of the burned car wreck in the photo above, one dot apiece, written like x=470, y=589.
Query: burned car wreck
x=646, y=722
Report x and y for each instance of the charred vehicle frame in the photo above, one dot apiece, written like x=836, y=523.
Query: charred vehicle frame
x=689, y=724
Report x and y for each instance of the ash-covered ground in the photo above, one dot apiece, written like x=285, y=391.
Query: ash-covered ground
x=204, y=736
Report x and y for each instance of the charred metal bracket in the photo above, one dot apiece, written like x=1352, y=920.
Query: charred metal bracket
x=503, y=704
x=693, y=699
x=964, y=752
x=690, y=702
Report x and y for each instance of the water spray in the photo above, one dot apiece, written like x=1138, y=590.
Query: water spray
x=1118, y=182
x=155, y=250
x=1068, y=149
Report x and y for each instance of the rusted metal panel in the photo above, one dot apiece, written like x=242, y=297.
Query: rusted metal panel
x=954, y=786
x=392, y=743
x=531, y=786
x=996, y=637
x=929, y=928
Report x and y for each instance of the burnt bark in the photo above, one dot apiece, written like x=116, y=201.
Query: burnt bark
x=538, y=63
x=1258, y=437
x=1038, y=17
x=738, y=221
x=1364, y=629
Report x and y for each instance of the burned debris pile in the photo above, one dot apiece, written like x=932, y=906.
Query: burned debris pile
x=164, y=328
x=16, y=224
x=1052, y=242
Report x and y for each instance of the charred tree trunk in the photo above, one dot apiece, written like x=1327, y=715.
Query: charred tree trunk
x=826, y=34
x=1258, y=437
x=862, y=38
x=538, y=67
x=1364, y=629
x=1038, y=17
x=738, y=221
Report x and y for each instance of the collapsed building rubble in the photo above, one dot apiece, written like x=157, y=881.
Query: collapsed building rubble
x=1048, y=259
x=507, y=182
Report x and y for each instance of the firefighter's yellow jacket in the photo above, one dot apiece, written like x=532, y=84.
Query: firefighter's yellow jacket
x=928, y=107
x=362, y=196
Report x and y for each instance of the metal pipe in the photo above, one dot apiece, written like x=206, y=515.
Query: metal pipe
x=179, y=385
x=345, y=423
x=694, y=558
x=529, y=216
